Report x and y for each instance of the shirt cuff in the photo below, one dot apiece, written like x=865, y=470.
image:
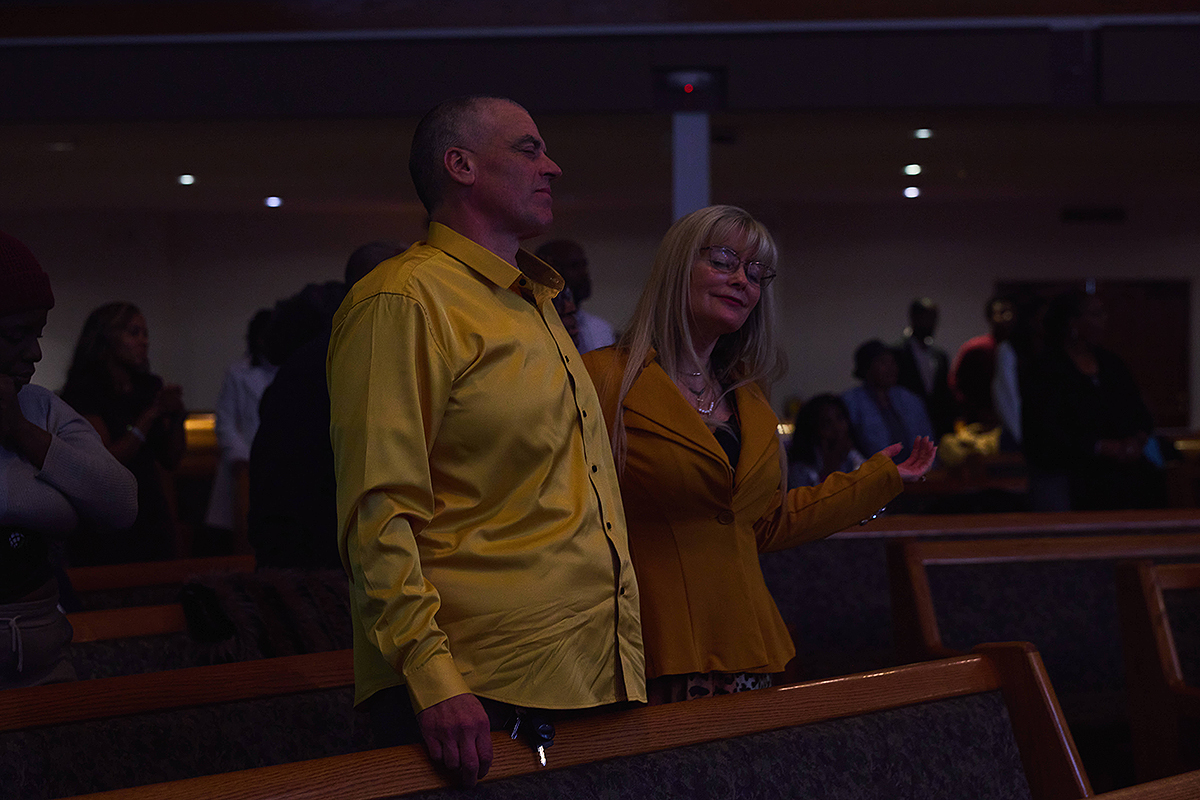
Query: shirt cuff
x=438, y=680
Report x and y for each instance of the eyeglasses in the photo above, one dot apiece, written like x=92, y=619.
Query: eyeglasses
x=725, y=260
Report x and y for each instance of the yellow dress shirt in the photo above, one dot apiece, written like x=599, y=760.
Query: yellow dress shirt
x=479, y=513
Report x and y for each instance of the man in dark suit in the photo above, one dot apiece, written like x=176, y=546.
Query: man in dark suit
x=925, y=368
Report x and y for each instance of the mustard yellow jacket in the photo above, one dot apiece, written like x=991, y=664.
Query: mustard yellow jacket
x=696, y=526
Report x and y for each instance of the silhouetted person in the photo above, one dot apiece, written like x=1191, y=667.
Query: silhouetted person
x=975, y=364
x=293, y=506
x=236, y=423
x=1085, y=423
x=569, y=260
x=924, y=367
x=568, y=312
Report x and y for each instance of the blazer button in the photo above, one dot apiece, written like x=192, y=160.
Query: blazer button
x=725, y=517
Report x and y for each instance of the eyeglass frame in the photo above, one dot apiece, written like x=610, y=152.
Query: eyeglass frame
x=766, y=273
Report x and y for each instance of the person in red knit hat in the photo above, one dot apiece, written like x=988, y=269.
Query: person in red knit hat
x=55, y=473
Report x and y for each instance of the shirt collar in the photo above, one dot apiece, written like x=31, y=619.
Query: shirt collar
x=540, y=278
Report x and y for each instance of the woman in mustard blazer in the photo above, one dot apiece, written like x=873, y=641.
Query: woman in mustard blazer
x=702, y=470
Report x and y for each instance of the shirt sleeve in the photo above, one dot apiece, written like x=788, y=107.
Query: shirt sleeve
x=1005, y=392
x=389, y=387
x=233, y=444
x=841, y=500
x=79, y=466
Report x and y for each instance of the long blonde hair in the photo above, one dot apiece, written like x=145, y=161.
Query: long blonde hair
x=662, y=320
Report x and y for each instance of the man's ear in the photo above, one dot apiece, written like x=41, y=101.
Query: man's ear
x=460, y=165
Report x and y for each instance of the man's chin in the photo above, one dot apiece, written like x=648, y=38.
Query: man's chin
x=537, y=229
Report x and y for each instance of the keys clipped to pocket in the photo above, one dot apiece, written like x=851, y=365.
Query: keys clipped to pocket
x=537, y=729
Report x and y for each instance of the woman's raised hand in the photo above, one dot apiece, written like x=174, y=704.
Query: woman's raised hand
x=918, y=463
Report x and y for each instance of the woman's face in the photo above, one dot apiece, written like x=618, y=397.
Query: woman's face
x=883, y=372
x=721, y=301
x=1092, y=321
x=131, y=344
x=832, y=425
x=19, y=347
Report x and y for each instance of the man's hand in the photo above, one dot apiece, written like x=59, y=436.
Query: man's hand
x=918, y=463
x=458, y=735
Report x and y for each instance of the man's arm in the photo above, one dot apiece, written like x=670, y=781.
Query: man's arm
x=389, y=385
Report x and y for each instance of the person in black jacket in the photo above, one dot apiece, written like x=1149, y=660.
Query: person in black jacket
x=1085, y=423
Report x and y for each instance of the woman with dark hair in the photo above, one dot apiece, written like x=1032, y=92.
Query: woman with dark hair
x=54, y=474
x=1085, y=423
x=139, y=419
x=821, y=442
x=702, y=473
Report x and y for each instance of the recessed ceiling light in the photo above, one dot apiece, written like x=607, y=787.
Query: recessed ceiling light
x=187, y=180
x=923, y=133
x=912, y=169
x=912, y=191
x=273, y=202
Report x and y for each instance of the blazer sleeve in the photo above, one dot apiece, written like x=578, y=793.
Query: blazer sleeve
x=843, y=499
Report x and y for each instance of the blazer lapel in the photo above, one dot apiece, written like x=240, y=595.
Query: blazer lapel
x=760, y=440
x=655, y=405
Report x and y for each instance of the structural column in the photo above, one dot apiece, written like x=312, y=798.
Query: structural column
x=690, y=161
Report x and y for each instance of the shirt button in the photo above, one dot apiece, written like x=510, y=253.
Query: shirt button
x=608, y=525
x=594, y=468
x=522, y=281
x=725, y=517
x=585, y=414
x=622, y=591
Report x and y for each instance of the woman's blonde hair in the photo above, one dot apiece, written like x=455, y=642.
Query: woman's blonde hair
x=662, y=320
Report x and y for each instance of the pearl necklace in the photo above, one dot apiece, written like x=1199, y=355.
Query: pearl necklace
x=700, y=393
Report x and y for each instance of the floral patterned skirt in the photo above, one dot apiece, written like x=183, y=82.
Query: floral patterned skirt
x=695, y=685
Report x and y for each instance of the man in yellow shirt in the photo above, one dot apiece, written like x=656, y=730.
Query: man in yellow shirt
x=479, y=513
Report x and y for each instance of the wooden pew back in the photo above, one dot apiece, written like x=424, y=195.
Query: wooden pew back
x=110, y=733
x=1164, y=698
x=147, y=582
x=1058, y=593
x=981, y=725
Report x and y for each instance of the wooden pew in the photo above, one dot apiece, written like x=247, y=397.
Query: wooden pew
x=835, y=595
x=1164, y=703
x=1177, y=787
x=146, y=582
x=985, y=719
x=235, y=616
x=1049, y=523
x=1057, y=592
x=68, y=738
x=129, y=641
x=153, y=573
x=914, y=613
x=119, y=623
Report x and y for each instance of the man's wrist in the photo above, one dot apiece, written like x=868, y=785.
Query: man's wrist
x=438, y=680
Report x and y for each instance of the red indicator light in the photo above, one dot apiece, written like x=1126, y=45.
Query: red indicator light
x=687, y=87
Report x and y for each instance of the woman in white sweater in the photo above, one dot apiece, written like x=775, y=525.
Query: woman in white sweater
x=54, y=473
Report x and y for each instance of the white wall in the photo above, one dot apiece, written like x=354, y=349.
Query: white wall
x=849, y=271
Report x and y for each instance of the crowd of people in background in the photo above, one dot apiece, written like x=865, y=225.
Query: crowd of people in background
x=1038, y=384
x=430, y=427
